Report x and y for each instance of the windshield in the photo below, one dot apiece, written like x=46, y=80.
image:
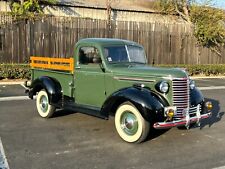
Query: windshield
x=125, y=53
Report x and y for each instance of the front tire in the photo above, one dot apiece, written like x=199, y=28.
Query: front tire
x=130, y=124
x=44, y=109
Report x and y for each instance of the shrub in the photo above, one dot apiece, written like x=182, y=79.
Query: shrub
x=22, y=71
x=14, y=71
x=205, y=70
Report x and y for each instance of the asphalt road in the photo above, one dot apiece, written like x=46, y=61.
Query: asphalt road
x=76, y=141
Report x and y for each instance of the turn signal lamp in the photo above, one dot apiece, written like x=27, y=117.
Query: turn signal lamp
x=209, y=105
x=170, y=113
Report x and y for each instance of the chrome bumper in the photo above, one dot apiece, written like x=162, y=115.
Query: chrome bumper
x=186, y=121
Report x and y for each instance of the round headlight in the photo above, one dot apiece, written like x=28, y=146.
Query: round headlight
x=192, y=84
x=163, y=87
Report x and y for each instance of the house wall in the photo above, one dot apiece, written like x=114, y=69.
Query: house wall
x=100, y=13
x=4, y=6
x=117, y=15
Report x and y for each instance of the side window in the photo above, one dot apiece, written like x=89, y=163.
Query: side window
x=89, y=55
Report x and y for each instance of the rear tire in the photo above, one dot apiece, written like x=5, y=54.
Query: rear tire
x=130, y=124
x=44, y=109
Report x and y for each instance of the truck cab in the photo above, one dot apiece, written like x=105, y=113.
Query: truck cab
x=111, y=77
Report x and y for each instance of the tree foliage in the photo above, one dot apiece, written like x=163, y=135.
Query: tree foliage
x=180, y=7
x=28, y=8
x=208, y=22
x=209, y=26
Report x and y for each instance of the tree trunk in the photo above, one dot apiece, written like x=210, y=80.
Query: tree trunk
x=186, y=10
x=182, y=8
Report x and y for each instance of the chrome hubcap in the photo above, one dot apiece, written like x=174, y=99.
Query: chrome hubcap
x=129, y=123
x=44, y=103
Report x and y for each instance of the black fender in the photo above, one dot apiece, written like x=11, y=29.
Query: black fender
x=146, y=101
x=51, y=85
x=196, y=97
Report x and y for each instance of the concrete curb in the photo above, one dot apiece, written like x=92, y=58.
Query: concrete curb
x=207, y=77
x=12, y=83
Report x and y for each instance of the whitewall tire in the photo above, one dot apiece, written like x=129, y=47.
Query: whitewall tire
x=130, y=124
x=44, y=109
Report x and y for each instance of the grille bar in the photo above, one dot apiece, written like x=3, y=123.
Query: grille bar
x=181, y=96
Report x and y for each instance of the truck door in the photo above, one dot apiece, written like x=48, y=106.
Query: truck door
x=89, y=78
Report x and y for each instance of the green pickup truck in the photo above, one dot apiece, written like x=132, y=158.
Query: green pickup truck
x=110, y=77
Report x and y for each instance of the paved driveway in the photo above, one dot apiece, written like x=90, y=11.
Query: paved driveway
x=72, y=140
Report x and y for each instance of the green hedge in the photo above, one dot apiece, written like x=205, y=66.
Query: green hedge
x=14, y=71
x=203, y=70
x=22, y=71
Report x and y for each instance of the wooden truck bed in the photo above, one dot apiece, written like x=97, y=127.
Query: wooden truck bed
x=53, y=63
x=58, y=68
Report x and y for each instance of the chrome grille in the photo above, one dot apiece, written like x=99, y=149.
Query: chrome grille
x=193, y=110
x=180, y=96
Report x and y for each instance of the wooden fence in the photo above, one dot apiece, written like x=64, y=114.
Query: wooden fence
x=56, y=37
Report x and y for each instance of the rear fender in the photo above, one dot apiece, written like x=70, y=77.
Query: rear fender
x=51, y=85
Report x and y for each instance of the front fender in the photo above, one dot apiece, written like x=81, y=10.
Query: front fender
x=196, y=97
x=51, y=85
x=146, y=101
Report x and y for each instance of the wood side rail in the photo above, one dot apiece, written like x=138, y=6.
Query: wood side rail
x=52, y=63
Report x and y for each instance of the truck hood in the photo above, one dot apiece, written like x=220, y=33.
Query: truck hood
x=148, y=71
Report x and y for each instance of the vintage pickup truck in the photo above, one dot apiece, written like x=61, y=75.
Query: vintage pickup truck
x=110, y=77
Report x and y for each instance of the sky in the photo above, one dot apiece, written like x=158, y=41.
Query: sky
x=215, y=3
x=220, y=4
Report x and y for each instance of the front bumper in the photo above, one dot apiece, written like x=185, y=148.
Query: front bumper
x=186, y=121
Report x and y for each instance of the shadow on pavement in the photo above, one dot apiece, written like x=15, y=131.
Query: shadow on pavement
x=216, y=114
